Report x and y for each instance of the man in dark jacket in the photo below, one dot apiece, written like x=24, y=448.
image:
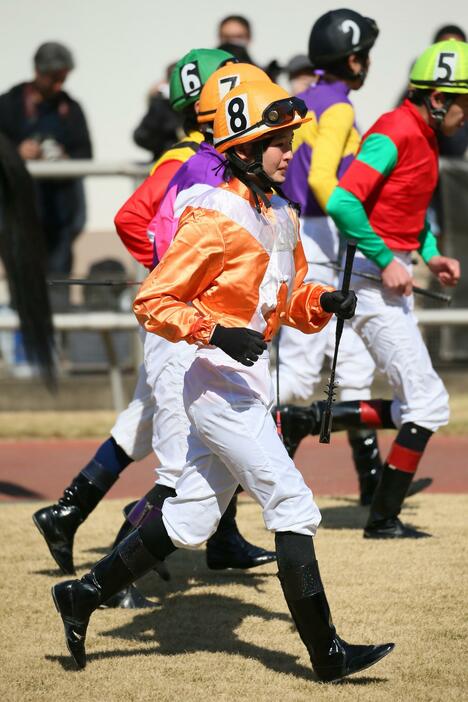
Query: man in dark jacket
x=161, y=126
x=44, y=122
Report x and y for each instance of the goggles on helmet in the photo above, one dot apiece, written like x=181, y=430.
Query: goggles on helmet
x=282, y=112
x=277, y=114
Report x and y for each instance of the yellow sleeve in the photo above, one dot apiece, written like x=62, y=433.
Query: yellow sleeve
x=179, y=152
x=193, y=261
x=306, y=133
x=333, y=130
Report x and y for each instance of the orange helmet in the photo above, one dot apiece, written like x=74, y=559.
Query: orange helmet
x=253, y=110
x=221, y=82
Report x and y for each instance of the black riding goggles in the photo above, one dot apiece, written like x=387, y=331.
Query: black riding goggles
x=282, y=112
x=279, y=113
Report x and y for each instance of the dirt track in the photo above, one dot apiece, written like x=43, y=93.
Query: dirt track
x=227, y=635
x=39, y=469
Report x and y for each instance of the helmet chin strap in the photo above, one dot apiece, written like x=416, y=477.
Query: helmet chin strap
x=362, y=75
x=438, y=113
x=344, y=72
x=243, y=169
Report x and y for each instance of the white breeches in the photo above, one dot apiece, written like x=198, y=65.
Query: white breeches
x=233, y=441
x=302, y=356
x=166, y=364
x=133, y=427
x=387, y=325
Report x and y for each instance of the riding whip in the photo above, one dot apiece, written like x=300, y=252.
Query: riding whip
x=325, y=429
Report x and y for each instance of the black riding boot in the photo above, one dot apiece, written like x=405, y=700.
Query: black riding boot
x=367, y=461
x=76, y=600
x=227, y=548
x=135, y=556
x=331, y=657
x=59, y=522
x=383, y=522
x=135, y=513
x=402, y=462
x=297, y=423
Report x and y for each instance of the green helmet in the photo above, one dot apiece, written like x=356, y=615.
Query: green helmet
x=191, y=73
x=443, y=67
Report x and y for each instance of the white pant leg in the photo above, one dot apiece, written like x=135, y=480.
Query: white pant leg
x=321, y=243
x=166, y=364
x=204, y=490
x=388, y=327
x=133, y=427
x=302, y=356
x=355, y=368
x=233, y=440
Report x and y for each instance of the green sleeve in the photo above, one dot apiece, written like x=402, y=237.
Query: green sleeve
x=351, y=219
x=379, y=152
x=428, y=244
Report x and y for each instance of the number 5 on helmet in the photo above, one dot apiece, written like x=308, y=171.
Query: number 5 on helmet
x=443, y=67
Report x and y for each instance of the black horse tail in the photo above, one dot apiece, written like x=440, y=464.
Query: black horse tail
x=22, y=250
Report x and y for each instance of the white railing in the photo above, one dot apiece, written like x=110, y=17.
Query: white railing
x=79, y=168
x=107, y=322
x=103, y=323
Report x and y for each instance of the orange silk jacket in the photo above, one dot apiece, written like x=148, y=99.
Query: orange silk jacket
x=230, y=265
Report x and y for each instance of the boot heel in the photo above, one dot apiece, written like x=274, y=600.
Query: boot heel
x=52, y=592
x=37, y=525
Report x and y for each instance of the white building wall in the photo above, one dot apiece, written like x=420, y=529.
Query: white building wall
x=122, y=47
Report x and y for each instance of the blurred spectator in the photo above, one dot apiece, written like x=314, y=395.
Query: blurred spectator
x=301, y=73
x=105, y=297
x=161, y=127
x=449, y=31
x=234, y=36
x=235, y=29
x=22, y=253
x=44, y=122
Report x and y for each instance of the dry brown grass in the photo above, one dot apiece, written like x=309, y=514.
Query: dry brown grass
x=97, y=423
x=228, y=636
x=56, y=425
x=458, y=416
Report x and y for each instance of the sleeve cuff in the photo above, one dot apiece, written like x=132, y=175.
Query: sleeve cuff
x=429, y=250
x=202, y=331
x=324, y=289
x=383, y=257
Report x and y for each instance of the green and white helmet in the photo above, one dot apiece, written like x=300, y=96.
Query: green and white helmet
x=443, y=67
x=191, y=73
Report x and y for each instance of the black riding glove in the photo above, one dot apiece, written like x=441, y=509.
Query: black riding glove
x=340, y=303
x=241, y=344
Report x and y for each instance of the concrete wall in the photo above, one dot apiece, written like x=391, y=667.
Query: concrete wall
x=122, y=47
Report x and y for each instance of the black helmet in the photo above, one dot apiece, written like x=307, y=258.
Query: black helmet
x=338, y=34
